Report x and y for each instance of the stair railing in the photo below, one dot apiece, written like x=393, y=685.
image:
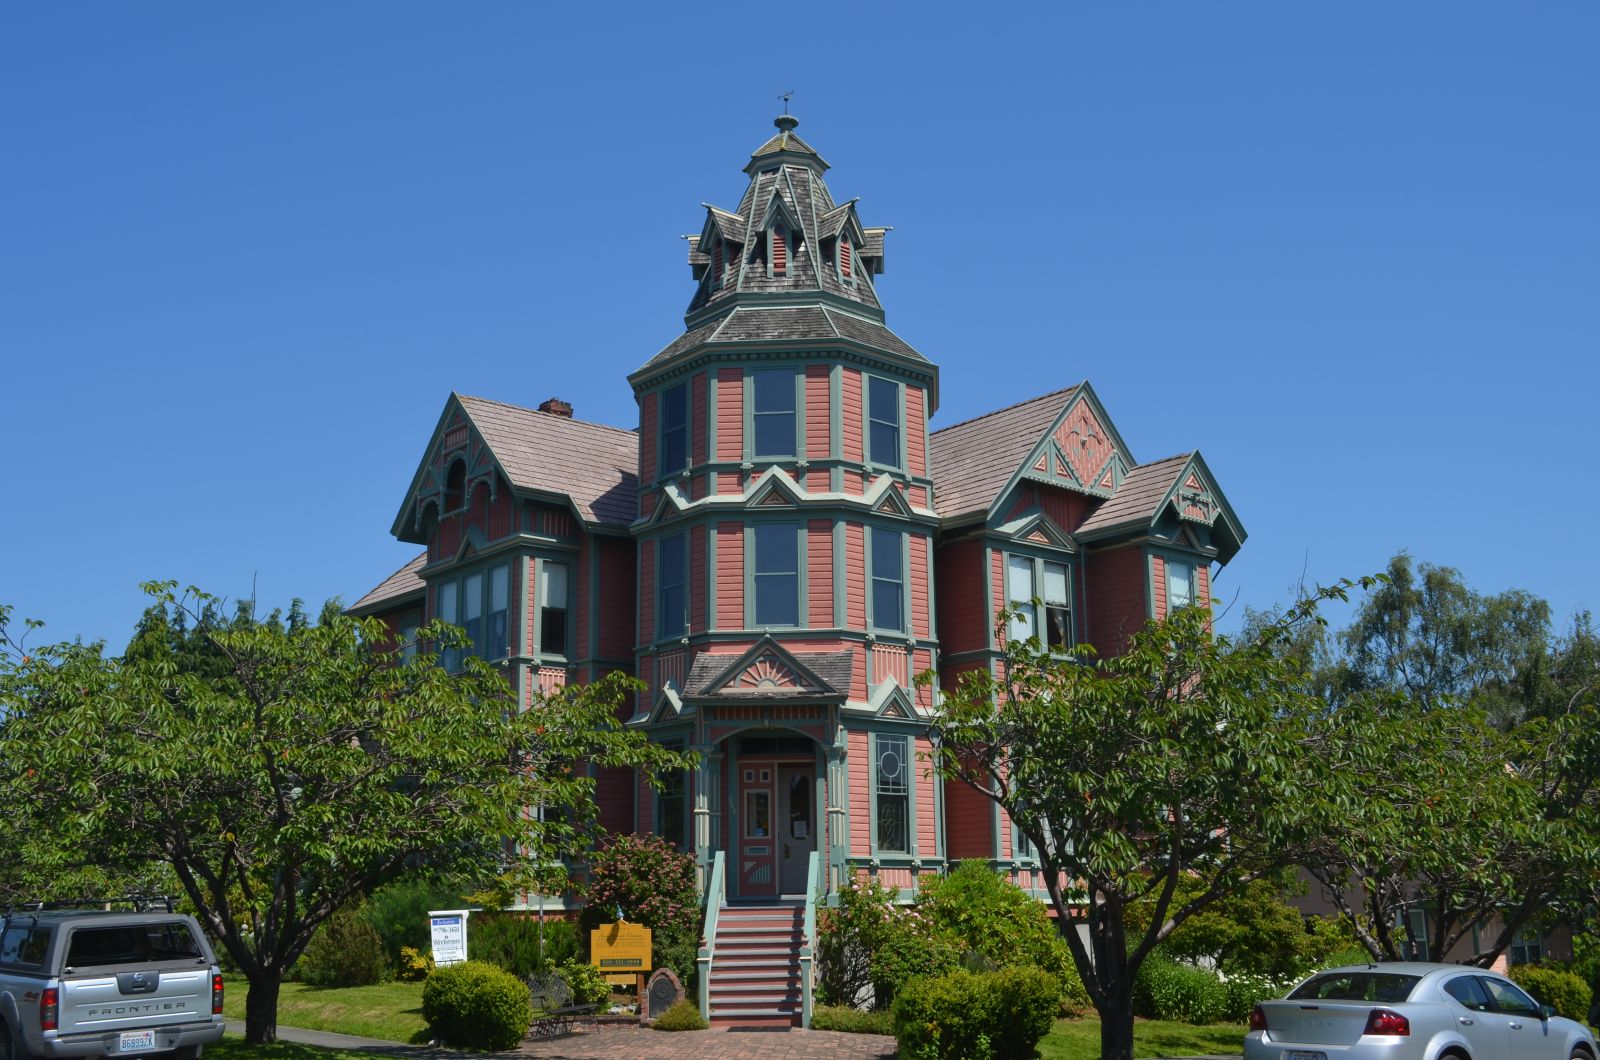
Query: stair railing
x=716, y=895
x=808, y=941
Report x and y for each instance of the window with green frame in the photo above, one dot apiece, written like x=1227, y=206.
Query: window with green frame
x=888, y=579
x=1035, y=584
x=672, y=596
x=891, y=791
x=883, y=421
x=672, y=803
x=552, y=608
x=674, y=430
x=772, y=412
x=1181, y=588
x=478, y=602
x=776, y=573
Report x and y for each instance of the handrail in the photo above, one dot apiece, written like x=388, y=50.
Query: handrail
x=716, y=895
x=808, y=941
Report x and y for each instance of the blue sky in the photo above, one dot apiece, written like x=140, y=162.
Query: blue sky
x=1349, y=251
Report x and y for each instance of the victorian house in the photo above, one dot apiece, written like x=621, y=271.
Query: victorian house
x=782, y=545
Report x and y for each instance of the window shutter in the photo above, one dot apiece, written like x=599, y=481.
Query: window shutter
x=780, y=251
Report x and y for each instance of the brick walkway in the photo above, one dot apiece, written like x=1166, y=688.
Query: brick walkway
x=637, y=1043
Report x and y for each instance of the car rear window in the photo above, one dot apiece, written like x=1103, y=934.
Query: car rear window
x=1356, y=986
x=131, y=944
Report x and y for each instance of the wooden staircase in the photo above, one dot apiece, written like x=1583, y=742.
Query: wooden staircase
x=755, y=977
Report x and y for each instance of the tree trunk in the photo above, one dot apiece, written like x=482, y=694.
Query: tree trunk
x=261, y=1008
x=1116, y=1020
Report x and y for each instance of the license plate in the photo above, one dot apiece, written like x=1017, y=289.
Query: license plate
x=136, y=1041
x=1303, y=1054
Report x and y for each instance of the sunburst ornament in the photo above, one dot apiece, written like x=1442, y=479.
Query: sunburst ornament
x=767, y=672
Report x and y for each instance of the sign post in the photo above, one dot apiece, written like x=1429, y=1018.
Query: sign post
x=621, y=951
x=447, y=928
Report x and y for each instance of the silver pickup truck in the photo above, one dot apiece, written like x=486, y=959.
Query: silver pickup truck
x=78, y=983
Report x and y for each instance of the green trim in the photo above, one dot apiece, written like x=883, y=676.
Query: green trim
x=836, y=422
x=797, y=451
x=873, y=735
x=988, y=598
x=802, y=613
x=711, y=577
x=841, y=602
x=868, y=531
x=710, y=376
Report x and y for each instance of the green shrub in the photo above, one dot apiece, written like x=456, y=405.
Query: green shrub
x=993, y=917
x=474, y=1005
x=976, y=1015
x=1166, y=990
x=506, y=940
x=1242, y=992
x=414, y=965
x=683, y=1016
x=345, y=951
x=910, y=949
x=848, y=934
x=1567, y=993
x=588, y=985
x=652, y=883
x=850, y=1020
x=399, y=913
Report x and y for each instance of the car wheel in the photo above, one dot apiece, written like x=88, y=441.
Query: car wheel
x=1580, y=1053
x=187, y=1052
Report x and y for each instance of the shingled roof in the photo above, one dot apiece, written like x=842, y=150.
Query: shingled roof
x=1138, y=498
x=396, y=587
x=972, y=461
x=833, y=668
x=797, y=323
x=591, y=463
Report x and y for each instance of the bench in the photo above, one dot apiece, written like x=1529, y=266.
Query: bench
x=562, y=1021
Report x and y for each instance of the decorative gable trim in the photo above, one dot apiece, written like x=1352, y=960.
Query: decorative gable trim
x=889, y=700
x=884, y=499
x=1195, y=497
x=1037, y=528
x=668, y=705
x=1081, y=451
x=774, y=489
x=454, y=437
x=670, y=503
x=767, y=666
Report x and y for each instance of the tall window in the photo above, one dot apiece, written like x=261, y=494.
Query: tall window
x=1048, y=583
x=553, y=608
x=891, y=775
x=672, y=586
x=674, y=429
x=772, y=415
x=672, y=802
x=455, y=486
x=777, y=574
x=1180, y=585
x=883, y=422
x=480, y=604
x=888, y=579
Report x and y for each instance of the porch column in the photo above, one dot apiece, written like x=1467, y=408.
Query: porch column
x=707, y=808
x=838, y=780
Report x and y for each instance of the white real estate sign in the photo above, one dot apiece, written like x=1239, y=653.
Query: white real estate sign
x=448, y=930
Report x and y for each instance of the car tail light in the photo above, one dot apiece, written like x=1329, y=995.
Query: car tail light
x=49, y=1009
x=1258, y=1019
x=216, y=995
x=1382, y=1021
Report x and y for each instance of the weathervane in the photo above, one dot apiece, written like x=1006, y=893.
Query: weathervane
x=786, y=97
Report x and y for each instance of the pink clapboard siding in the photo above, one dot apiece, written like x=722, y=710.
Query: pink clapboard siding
x=819, y=571
x=920, y=625
x=927, y=830
x=997, y=585
x=730, y=416
x=1116, y=582
x=916, y=431
x=1158, y=586
x=968, y=821
x=921, y=662
x=697, y=420
x=816, y=480
x=618, y=603
x=817, y=411
x=647, y=438
x=730, y=575
x=613, y=796
x=855, y=562
x=850, y=415
x=963, y=626
x=860, y=766
x=697, y=579
x=647, y=591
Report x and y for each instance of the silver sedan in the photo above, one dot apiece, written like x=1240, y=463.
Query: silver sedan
x=1412, y=1011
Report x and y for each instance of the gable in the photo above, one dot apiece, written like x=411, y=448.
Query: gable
x=455, y=439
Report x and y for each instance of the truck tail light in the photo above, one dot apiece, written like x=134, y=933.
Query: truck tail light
x=1258, y=1019
x=1382, y=1021
x=216, y=994
x=49, y=1009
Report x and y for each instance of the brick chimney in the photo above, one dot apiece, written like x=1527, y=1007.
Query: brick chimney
x=557, y=407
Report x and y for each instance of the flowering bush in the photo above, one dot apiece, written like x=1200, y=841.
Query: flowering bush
x=414, y=965
x=653, y=885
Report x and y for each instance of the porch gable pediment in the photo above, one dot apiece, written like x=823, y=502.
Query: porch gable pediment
x=768, y=669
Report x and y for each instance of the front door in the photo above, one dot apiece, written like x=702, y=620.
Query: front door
x=758, y=854
x=797, y=827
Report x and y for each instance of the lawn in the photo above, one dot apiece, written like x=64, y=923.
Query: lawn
x=233, y=1047
x=1080, y=1039
x=391, y=1011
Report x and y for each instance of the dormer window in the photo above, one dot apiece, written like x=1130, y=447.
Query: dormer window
x=455, y=487
x=778, y=251
x=718, y=264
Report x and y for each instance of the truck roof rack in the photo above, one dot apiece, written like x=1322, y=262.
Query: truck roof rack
x=140, y=903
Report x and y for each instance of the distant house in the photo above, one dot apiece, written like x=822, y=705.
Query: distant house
x=782, y=546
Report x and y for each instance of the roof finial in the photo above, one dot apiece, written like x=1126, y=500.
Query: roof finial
x=786, y=121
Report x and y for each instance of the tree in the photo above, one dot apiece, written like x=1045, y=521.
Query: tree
x=1188, y=759
x=285, y=771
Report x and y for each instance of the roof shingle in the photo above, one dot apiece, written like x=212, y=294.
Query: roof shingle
x=395, y=587
x=972, y=461
x=1139, y=495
